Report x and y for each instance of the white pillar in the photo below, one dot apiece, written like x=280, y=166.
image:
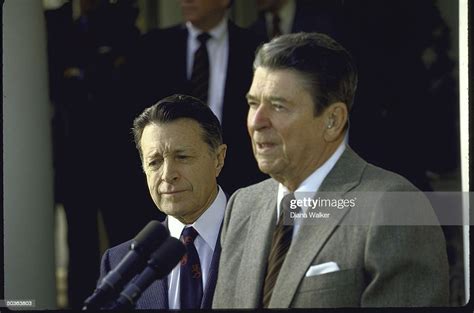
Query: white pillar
x=27, y=162
x=464, y=123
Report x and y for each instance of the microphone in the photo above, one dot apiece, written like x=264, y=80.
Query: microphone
x=161, y=263
x=149, y=238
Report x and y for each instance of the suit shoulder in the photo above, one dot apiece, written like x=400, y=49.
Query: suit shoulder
x=248, y=198
x=162, y=36
x=117, y=252
x=261, y=188
x=244, y=36
x=163, y=32
x=378, y=179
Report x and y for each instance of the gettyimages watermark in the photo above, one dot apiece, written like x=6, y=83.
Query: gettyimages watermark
x=380, y=208
x=18, y=304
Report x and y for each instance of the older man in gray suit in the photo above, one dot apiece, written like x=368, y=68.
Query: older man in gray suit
x=302, y=91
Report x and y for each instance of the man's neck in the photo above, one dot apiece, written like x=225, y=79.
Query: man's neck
x=293, y=182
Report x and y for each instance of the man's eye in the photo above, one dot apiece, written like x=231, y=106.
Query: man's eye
x=153, y=163
x=278, y=106
x=252, y=103
x=182, y=157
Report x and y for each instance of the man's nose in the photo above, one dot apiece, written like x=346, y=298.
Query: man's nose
x=259, y=118
x=170, y=172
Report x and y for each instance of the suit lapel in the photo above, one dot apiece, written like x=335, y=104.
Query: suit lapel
x=310, y=239
x=254, y=260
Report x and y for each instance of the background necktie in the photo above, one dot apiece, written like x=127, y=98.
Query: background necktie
x=200, y=74
x=190, y=276
x=280, y=244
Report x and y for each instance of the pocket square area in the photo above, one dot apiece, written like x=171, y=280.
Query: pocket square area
x=323, y=268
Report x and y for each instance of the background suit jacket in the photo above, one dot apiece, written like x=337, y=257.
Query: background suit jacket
x=159, y=70
x=156, y=296
x=380, y=266
x=322, y=16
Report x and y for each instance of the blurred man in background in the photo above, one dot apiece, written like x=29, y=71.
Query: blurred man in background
x=211, y=58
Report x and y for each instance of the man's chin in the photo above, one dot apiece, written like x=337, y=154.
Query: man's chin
x=266, y=167
x=173, y=211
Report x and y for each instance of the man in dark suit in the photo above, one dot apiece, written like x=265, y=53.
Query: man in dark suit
x=303, y=88
x=165, y=66
x=279, y=17
x=180, y=144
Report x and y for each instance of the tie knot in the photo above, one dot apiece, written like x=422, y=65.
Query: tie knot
x=203, y=38
x=288, y=206
x=188, y=235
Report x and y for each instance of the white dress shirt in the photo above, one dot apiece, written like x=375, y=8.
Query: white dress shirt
x=218, y=51
x=311, y=184
x=287, y=16
x=207, y=226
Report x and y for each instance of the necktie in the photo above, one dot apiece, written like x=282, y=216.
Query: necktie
x=276, y=31
x=280, y=244
x=200, y=74
x=190, y=276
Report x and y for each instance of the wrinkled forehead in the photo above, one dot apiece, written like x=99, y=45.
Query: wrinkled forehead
x=177, y=135
x=271, y=82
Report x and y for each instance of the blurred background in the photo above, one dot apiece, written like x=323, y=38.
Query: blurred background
x=72, y=86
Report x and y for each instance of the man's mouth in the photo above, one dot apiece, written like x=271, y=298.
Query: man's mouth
x=265, y=145
x=171, y=192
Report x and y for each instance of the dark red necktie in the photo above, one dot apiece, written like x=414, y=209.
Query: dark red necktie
x=190, y=276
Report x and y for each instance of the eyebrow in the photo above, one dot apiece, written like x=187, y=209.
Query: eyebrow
x=152, y=155
x=271, y=98
x=250, y=97
x=176, y=151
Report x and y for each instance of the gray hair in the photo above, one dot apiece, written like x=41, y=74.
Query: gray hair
x=326, y=68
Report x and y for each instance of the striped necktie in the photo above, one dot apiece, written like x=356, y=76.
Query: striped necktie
x=200, y=74
x=280, y=244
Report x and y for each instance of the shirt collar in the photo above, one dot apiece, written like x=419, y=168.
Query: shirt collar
x=312, y=183
x=207, y=225
x=217, y=32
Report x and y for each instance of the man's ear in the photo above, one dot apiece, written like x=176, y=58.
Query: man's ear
x=220, y=158
x=336, y=116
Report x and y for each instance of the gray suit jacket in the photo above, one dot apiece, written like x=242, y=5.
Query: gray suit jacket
x=380, y=266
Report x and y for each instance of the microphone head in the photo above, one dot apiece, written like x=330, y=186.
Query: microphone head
x=151, y=236
x=167, y=256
